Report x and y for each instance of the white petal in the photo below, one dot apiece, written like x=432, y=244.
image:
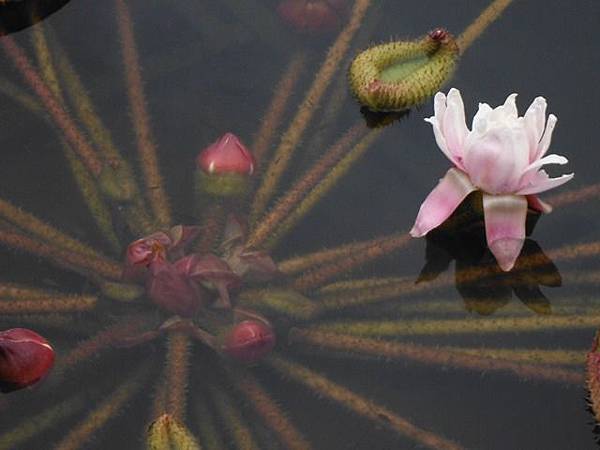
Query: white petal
x=454, y=126
x=550, y=159
x=439, y=107
x=480, y=119
x=510, y=105
x=534, y=121
x=547, y=137
x=542, y=182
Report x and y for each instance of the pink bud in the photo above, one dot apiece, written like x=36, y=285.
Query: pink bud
x=312, y=15
x=141, y=253
x=173, y=291
x=25, y=358
x=439, y=34
x=226, y=155
x=249, y=341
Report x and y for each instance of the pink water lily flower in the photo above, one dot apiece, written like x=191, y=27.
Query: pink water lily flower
x=502, y=155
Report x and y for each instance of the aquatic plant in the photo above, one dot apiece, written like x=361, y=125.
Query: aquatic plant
x=127, y=365
x=502, y=156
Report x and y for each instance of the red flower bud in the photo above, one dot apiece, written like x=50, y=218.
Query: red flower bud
x=25, y=358
x=141, y=253
x=226, y=155
x=249, y=341
x=173, y=291
x=312, y=15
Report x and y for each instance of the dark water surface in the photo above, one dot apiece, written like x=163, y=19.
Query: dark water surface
x=210, y=67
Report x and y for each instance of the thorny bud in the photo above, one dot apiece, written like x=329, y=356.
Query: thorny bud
x=249, y=341
x=25, y=358
x=167, y=433
x=313, y=16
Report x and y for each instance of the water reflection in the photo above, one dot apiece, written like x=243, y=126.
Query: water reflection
x=18, y=14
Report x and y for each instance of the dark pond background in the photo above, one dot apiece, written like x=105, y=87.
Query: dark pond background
x=211, y=67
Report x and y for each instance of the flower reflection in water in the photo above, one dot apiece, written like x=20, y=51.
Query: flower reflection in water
x=196, y=391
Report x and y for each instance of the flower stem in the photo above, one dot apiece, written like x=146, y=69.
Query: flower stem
x=58, y=304
x=309, y=105
x=282, y=301
x=479, y=25
x=430, y=355
x=209, y=435
x=308, y=181
x=177, y=374
x=141, y=120
x=359, y=405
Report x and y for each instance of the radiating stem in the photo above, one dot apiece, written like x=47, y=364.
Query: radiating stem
x=575, y=196
x=209, y=435
x=309, y=105
x=58, y=304
x=40, y=422
x=430, y=355
x=363, y=283
x=269, y=410
x=319, y=276
x=477, y=325
x=275, y=112
x=282, y=301
x=99, y=267
x=71, y=133
x=321, y=189
x=479, y=25
x=16, y=291
x=177, y=374
x=360, y=405
x=104, y=412
x=241, y=434
x=141, y=120
x=305, y=183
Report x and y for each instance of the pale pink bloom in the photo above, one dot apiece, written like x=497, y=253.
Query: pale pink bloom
x=502, y=155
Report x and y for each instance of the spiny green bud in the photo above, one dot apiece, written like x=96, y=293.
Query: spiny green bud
x=400, y=75
x=165, y=433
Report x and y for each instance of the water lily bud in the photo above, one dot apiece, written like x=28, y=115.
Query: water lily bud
x=25, y=358
x=249, y=341
x=141, y=253
x=173, y=291
x=212, y=272
x=313, y=16
x=400, y=75
x=224, y=167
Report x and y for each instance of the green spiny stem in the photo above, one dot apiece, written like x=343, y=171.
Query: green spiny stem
x=71, y=133
x=524, y=355
x=60, y=321
x=593, y=377
x=283, y=301
x=209, y=435
x=283, y=206
x=292, y=137
x=315, y=278
x=212, y=226
x=358, y=404
x=59, y=304
x=91, y=266
x=301, y=263
x=177, y=374
x=347, y=344
x=272, y=119
x=359, y=284
x=479, y=25
x=322, y=188
x=21, y=97
x=155, y=192
x=403, y=74
x=393, y=328
x=40, y=422
x=16, y=291
x=267, y=408
x=230, y=417
x=107, y=410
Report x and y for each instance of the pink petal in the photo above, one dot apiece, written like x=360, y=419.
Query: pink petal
x=542, y=182
x=505, y=227
x=531, y=171
x=538, y=204
x=442, y=201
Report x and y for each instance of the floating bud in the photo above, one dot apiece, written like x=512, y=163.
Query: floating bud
x=224, y=166
x=593, y=377
x=403, y=74
x=141, y=253
x=313, y=16
x=249, y=341
x=173, y=291
x=212, y=272
x=165, y=433
x=25, y=358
